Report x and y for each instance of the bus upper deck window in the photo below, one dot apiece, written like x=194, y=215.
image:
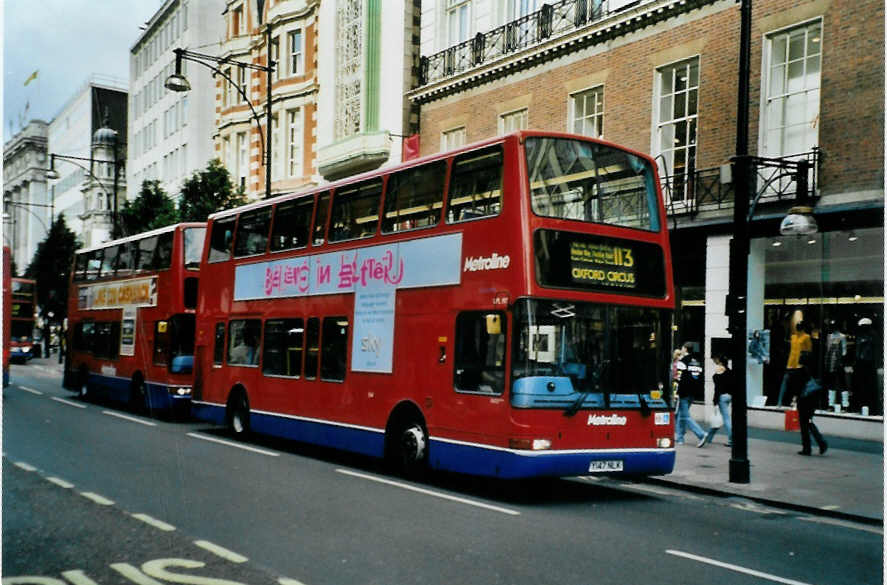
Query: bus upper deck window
x=125, y=263
x=355, y=211
x=319, y=233
x=476, y=185
x=413, y=198
x=146, y=253
x=292, y=220
x=220, y=239
x=109, y=261
x=252, y=232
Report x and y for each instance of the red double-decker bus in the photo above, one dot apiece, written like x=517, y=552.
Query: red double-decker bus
x=7, y=310
x=22, y=310
x=502, y=309
x=131, y=318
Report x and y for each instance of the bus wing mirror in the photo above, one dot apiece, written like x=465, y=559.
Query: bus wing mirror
x=494, y=325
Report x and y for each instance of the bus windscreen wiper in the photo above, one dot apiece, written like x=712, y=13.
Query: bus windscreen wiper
x=594, y=383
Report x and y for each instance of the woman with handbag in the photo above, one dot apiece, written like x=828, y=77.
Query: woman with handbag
x=807, y=389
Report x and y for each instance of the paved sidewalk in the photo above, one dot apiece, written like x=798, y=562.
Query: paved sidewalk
x=848, y=481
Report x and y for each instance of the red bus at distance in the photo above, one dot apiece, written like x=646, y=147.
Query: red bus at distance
x=7, y=309
x=24, y=303
x=503, y=309
x=131, y=318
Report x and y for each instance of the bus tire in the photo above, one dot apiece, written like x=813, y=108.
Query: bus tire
x=83, y=383
x=237, y=413
x=138, y=395
x=406, y=443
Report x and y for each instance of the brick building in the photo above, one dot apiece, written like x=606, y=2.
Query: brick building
x=661, y=76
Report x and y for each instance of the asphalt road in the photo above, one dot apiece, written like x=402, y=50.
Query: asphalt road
x=287, y=511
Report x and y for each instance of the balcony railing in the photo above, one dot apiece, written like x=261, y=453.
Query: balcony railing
x=550, y=21
x=703, y=190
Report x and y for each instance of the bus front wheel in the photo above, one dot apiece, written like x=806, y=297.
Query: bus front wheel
x=238, y=414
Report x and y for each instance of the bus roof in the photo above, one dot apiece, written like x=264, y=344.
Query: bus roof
x=135, y=237
x=519, y=135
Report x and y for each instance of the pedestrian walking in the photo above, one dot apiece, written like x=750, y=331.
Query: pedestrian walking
x=723, y=397
x=690, y=383
x=806, y=388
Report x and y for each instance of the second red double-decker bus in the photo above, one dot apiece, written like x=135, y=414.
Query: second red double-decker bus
x=131, y=315
x=502, y=310
x=24, y=302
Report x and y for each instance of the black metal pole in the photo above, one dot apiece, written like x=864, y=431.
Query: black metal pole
x=114, y=232
x=739, y=247
x=268, y=115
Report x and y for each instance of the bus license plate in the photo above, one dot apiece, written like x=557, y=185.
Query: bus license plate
x=606, y=465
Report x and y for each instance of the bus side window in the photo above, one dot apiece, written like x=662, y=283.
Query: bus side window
x=480, y=352
x=107, y=339
x=163, y=252
x=292, y=220
x=334, y=351
x=146, y=253
x=125, y=259
x=283, y=347
x=413, y=198
x=244, y=336
x=220, y=239
x=476, y=185
x=355, y=211
x=80, y=267
x=93, y=264
x=109, y=261
x=252, y=232
x=312, y=343
x=219, y=345
x=323, y=205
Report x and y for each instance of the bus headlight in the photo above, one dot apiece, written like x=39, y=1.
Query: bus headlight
x=663, y=443
x=530, y=444
x=180, y=391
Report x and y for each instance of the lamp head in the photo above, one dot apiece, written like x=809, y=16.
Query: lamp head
x=799, y=221
x=177, y=82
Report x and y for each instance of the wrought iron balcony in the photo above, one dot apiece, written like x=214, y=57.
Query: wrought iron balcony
x=550, y=21
x=703, y=190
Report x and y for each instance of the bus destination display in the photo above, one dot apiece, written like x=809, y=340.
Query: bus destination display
x=570, y=260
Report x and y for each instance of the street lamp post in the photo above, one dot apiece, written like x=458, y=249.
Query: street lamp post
x=53, y=175
x=178, y=82
x=798, y=221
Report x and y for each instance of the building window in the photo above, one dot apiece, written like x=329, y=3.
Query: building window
x=516, y=120
x=275, y=56
x=242, y=158
x=458, y=21
x=294, y=142
x=226, y=91
x=349, y=67
x=792, y=79
x=677, y=99
x=587, y=112
x=452, y=139
x=276, y=155
x=295, y=42
x=241, y=82
x=239, y=25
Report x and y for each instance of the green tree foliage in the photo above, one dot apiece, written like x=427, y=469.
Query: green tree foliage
x=152, y=209
x=51, y=268
x=208, y=191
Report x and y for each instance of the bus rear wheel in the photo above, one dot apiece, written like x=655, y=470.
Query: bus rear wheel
x=238, y=414
x=138, y=396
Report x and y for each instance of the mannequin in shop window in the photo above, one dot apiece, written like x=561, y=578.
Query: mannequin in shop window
x=865, y=391
x=835, y=358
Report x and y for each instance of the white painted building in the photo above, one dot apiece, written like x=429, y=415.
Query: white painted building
x=71, y=135
x=27, y=208
x=367, y=60
x=171, y=133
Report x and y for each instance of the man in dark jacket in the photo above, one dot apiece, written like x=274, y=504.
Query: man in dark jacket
x=691, y=377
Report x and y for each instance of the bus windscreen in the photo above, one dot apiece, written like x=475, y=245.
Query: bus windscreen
x=591, y=182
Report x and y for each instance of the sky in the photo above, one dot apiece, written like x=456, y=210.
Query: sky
x=65, y=42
